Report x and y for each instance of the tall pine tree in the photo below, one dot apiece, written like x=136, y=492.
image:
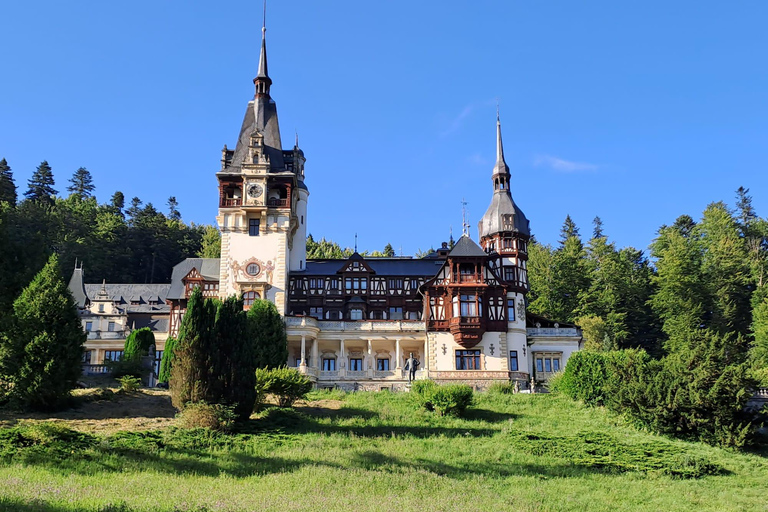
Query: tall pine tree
x=267, y=329
x=41, y=185
x=81, y=184
x=7, y=185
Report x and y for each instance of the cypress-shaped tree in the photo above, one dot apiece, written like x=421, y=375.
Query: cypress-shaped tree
x=138, y=342
x=7, y=185
x=166, y=362
x=81, y=184
x=41, y=355
x=267, y=329
x=41, y=185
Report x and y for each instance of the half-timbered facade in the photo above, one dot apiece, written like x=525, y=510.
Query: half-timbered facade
x=353, y=322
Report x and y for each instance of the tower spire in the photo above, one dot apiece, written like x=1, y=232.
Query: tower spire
x=500, y=169
x=262, y=80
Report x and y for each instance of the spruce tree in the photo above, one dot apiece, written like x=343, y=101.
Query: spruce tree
x=233, y=367
x=81, y=184
x=389, y=251
x=41, y=355
x=7, y=185
x=41, y=185
x=173, y=209
x=267, y=329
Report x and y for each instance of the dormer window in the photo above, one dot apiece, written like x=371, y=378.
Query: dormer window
x=101, y=308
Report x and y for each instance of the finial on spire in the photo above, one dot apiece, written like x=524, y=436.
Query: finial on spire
x=262, y=80
x=355, y=242
x=464, y=220
x=264, y=18
x=297, y=138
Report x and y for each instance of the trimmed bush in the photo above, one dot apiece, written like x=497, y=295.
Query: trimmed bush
x=204, y=415
x=422, y=391
x=452, y=399
x=584, y=377
x=287, y=384
x=137, y=344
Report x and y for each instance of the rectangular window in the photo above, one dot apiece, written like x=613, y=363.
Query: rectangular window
x=356, y=365
x=253, y=227
x=509, y=274
x=382, y=365
x=158, y=360
x=396, y=313
x=111, y=326
x=316, y=312
x=355, y=314
x=113, y=355
x=377, y=315
x=87, y=356
x=556, y=364
x=329, y=365
x=468, y=305
x=333, y=315
x=513, y=366
x=510, y=310
x=539, y=364
x=88, y=326
x=548, y=364
x=468, y=360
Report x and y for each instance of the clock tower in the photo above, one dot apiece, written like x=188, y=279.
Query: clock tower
x=262, y=203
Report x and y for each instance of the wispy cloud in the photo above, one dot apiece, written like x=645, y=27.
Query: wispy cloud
x=457, y=121
x=558, y=164
x=477, y=159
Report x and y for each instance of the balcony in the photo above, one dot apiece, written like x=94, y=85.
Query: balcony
x=231, y=202
x=467, y=330
x=278, y=203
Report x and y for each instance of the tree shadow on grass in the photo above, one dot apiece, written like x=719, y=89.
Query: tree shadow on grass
x=289, y=421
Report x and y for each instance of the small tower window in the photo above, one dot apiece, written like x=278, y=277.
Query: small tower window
x=253, y=227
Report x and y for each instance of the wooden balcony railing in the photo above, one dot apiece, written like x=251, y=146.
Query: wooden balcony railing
x=278, y=203
x=229, y=202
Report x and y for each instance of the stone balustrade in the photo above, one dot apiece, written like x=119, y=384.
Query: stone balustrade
x=552, y=331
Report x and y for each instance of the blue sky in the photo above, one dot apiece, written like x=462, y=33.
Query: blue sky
x=634, y=111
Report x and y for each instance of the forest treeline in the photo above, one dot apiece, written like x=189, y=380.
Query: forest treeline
x=705, y=277
x=119, y=242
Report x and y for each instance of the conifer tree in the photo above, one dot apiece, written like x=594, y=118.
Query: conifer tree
x=166, y=362
x=173, y=209
x=211, y=243
x=389, y=251
x=267, y=329
x=7, y=185
x=41, y=185
x=117, y=203
x=81, y=184
x=138, y=342
x=41, y=355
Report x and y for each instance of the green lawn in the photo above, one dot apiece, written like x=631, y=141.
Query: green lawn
x=375, y=451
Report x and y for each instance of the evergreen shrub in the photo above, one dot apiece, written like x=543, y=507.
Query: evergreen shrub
x=137, y=344
x=205, y=415
x=286, y=384
x=129, y=383
x=452, y=399
x=585, y=377
x=167, y=360
x=422, y=391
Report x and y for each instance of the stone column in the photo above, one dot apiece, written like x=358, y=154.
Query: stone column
x=315, y=355
x=425, y=355
x=398, y=366
x=370, y=359
x=342, y=359
x=303, y=351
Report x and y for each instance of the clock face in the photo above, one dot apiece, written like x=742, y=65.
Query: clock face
x=255, y=190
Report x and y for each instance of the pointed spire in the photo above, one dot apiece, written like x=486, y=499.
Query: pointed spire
x=500, y=169
x=499, y=146
x=262, y=80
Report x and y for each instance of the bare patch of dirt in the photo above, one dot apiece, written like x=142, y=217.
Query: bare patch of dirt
x=147, y=409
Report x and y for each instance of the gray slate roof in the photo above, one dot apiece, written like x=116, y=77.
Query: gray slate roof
x=124, y=294
x=466, y=247
x=77, y=287
x=382, y=267
x=208, y=268
x=493, y=220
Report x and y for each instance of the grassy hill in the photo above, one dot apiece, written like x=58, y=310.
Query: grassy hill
x=371, y=451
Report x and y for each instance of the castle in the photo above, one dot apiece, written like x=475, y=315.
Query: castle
x=351, y=323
